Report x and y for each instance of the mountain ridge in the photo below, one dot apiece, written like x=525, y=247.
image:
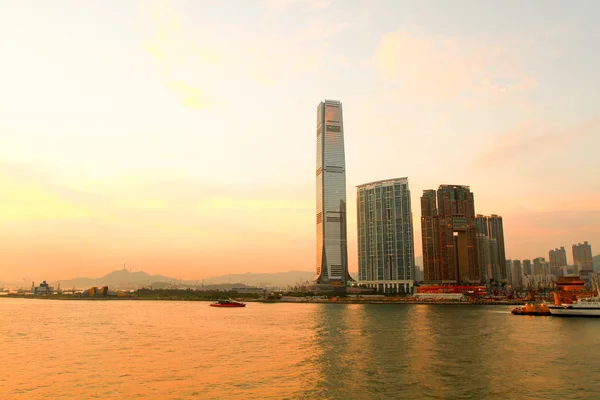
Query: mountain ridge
x=124, y=278
x=117, y=279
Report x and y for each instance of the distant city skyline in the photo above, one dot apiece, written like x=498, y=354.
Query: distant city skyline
x=544, y=271
x=174, y=135
x=562, y=255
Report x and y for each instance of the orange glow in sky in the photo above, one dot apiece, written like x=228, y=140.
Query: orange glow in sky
x=179, y=137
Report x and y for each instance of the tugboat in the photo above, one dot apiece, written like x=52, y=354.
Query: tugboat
x=531, y=309
x=227, y=303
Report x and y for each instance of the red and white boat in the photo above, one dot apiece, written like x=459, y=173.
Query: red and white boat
x=228, y=303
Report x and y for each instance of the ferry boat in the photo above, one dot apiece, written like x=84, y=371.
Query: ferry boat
x=531, y=309
x=582, y=307
x=227, y=303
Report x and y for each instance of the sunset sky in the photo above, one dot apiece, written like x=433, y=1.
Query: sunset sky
x=179, y=137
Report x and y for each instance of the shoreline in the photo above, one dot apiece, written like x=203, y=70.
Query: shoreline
x=395, y=302
x=303, y=301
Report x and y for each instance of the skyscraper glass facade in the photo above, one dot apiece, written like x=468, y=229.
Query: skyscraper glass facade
x=332, y=250
x=385, y=236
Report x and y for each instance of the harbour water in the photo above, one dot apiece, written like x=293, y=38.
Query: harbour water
x=182, y=350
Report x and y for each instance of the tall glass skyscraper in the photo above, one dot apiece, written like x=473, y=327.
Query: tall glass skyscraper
x=332, y=249
x=386, y=259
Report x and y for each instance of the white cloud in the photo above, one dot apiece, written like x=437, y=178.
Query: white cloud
x=439, y=68
x=314, y=4
x=199, y=65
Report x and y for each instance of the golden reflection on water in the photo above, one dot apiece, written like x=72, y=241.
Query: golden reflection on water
x=421, y=345
x=154, y=349
x=181, y=350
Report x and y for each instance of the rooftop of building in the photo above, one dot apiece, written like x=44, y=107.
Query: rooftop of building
x=457, y=186
x=390, y=181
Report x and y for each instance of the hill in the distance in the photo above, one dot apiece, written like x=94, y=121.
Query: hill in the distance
x=121, y=278
x=124, y=278
x=275, y=279
x=596, y=260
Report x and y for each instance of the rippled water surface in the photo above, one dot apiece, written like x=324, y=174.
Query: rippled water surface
x=181, y=350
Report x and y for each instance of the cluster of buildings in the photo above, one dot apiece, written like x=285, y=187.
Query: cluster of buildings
x=102, y=292
x=542, y=273
x=460, y=247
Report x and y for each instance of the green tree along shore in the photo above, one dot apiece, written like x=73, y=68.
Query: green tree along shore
x=178, y=294
x=190, y=294
x=152, y=294
x=213, y=295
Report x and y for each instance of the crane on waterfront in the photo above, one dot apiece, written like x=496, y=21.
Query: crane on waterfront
x=32, y=284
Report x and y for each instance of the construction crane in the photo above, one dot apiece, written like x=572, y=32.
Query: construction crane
x=32, y=284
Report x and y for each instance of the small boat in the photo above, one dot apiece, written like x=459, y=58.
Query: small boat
x=531, y=309
x=227, y=303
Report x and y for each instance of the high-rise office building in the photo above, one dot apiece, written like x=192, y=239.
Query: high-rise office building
x=517, y=273
x=332, y=249
x=484, y=250
x=496, y=229
x=541, y=266
x=386, y=258
x=490, y=232
x=582, y=259
x=429, y=234
x=557, y=258
x=527, y=268
x=450, y=252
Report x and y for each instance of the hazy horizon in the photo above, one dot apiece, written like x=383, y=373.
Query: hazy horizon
x=179, y=136
x=57, y=279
